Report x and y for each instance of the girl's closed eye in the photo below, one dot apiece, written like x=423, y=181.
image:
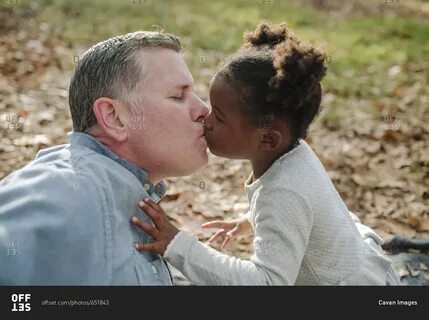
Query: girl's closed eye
x=218, y=118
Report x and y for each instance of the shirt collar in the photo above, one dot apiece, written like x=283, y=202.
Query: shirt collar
x=90, y=142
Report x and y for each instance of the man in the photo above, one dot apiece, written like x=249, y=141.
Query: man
x=136, y=121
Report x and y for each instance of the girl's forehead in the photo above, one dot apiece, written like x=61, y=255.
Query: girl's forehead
x=219, y=83
x=224, y=97
x=223, y=90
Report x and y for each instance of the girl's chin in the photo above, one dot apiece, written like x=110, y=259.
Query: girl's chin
x=211, y=148
x=209, y=145
x=213, y=151
x=221, y=154
x=216, y=152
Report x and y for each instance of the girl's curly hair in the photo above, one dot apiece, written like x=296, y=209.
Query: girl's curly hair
x=277, y=75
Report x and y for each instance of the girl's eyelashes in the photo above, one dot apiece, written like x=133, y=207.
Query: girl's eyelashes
x=218, y=119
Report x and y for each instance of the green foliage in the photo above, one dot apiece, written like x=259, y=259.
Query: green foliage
x=361, y=49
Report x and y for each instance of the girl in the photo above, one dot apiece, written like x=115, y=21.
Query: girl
x=263, y=101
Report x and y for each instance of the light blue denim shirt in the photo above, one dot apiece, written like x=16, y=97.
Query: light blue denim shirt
x=65, y=219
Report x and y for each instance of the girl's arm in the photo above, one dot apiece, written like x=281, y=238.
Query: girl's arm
x=282, y=231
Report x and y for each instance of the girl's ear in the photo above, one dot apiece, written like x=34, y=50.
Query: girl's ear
x=270, y=139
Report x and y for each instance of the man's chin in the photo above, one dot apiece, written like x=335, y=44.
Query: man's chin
x=204, y=159
x=196, y=163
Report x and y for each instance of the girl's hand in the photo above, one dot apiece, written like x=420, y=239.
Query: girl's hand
x=163, y=232
x=228, y=229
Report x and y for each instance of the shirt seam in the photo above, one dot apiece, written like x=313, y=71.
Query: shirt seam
x=107, y=232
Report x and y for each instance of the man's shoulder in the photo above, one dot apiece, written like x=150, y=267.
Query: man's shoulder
x=48, y=186
x=65, y=178
x=64, y=166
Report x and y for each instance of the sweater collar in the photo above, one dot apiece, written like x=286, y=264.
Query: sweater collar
x=250, y=186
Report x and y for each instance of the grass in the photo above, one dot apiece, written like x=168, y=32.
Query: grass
x=362, y=47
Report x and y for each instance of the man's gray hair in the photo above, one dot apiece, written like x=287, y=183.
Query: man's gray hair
x=110, y=69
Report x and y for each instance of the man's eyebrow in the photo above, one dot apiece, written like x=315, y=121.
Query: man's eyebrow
x=217, y=109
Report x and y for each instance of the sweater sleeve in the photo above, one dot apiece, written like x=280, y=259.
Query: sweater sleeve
x=283, y=224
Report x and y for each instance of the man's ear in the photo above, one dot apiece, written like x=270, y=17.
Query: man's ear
x=108, y=111
x=270, y=139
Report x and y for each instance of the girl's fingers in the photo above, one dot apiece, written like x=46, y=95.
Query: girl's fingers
x=153, y=213
x=225, y=242
x=153, y=205
x=150, y=247
x=146, y=227
x=229, y=235
x=213, y=224
x=232, y=233
x=216, y=235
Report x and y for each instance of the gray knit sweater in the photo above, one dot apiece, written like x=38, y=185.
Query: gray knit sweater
x=303, y=234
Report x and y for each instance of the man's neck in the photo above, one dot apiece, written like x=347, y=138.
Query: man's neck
x=121, y=151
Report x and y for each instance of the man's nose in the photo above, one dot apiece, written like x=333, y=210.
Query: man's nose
x=200, y=110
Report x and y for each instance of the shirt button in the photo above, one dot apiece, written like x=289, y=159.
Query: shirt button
x=146, y=186
x=154, y=269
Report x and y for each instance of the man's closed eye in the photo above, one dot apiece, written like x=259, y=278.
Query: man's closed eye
x=178, y=98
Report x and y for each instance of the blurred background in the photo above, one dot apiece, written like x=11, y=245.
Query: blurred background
x=372, y=134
